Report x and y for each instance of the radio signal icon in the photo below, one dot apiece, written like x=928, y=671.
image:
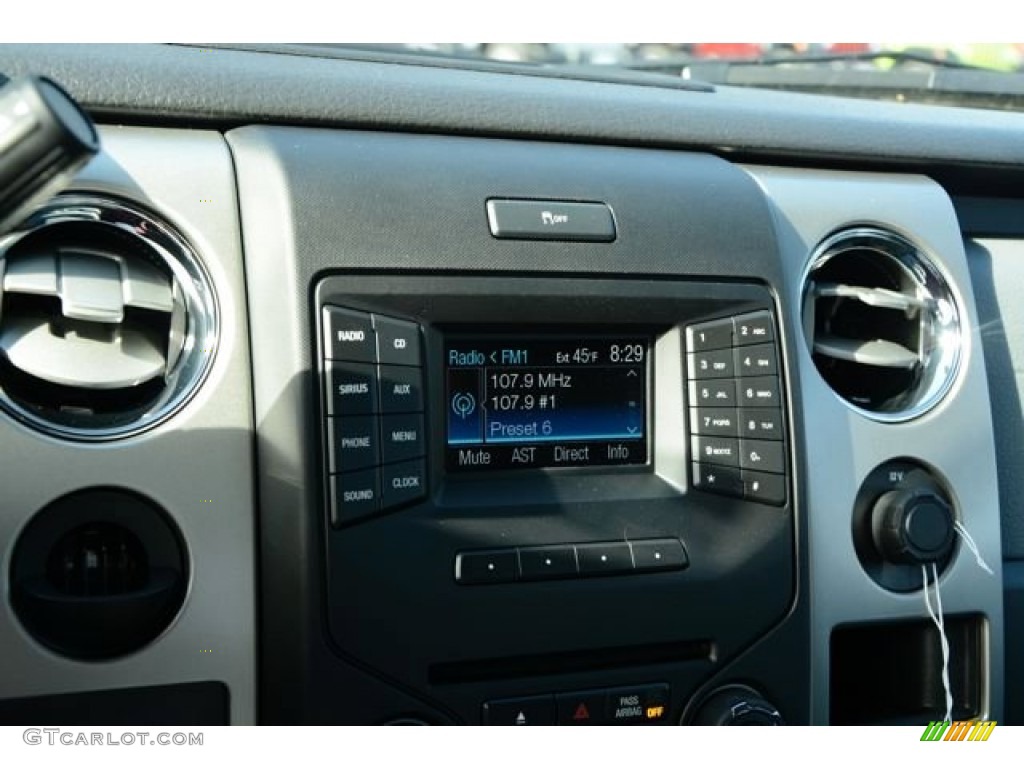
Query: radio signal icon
x=463, y=403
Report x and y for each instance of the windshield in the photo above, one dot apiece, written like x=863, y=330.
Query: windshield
x=982, y=75
x=1003, y=57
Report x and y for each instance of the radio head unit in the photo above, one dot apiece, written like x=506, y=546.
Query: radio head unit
x=531, y=401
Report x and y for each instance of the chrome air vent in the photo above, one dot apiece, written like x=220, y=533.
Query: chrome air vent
x=881, y=323
x=108, y=320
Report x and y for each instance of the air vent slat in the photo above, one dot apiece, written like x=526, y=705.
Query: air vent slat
x=145, y=287
x=881, y=323
x=90, y=287
x=125, y=359
x=876, y=297
x=34, y=273
x=878, y=352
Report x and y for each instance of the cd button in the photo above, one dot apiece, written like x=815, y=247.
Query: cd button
x=398, y=341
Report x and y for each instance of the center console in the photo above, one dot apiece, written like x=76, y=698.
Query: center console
x=575, y=485
x=607, y=435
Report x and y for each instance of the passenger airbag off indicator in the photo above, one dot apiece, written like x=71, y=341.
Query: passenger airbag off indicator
x=645, y=704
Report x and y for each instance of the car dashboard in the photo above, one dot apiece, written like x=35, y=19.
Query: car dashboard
x=490, y=398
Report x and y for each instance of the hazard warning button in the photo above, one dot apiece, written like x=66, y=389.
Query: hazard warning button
x=581, y=708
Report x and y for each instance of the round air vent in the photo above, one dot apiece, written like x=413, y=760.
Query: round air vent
x=108, y=320
x=881, y=323
x=98, y=573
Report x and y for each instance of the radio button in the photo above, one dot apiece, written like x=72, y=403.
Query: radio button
x=715, y=393
x=354, y=495
x=723, y=480
x=763, y=423
x=759, y=391
x=352, y=443
x=498, y=567
x=536, y=563
x=714, y=421
x=604, y=559
x=659, y=555
x=754, y=328
x=763, y=455
x=398, y=341
x=717, y=364
x=755, y=360
x=401, y=437
x=716, y=334
x=349, y=335
x=351, y=388
x=401, y=389
x=715, y=450
x=402, y=483
x=764, y=487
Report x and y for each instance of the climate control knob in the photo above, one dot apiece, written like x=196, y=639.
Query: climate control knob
x=737, y=705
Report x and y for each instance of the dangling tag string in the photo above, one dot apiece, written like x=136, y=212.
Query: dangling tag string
x=940, y=624
x=969, y=541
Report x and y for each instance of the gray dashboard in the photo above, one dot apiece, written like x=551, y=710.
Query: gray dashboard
x=306, y=182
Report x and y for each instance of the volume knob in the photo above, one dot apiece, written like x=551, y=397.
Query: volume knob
x=737, y=705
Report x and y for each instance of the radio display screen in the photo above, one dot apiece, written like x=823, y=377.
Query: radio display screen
x=545, y=401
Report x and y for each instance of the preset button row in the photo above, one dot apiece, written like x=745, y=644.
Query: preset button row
x=562, y=561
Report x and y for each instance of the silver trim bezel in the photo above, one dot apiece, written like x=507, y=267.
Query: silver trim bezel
x=944, y=362
x=202, y=328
